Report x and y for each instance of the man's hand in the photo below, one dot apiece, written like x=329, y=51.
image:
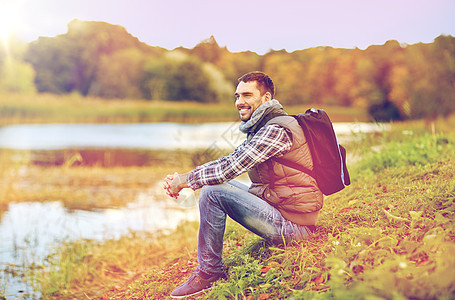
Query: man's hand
x=173, y=184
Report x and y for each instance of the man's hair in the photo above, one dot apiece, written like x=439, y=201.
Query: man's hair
x=264, y=82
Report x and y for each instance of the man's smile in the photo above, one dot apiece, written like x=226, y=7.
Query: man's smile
x=243, y=110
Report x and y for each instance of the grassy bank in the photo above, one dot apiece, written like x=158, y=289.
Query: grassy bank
x=390, y=235
x=48, y=108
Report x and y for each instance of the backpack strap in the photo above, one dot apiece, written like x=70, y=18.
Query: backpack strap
x=289, y=163
x=294, y=165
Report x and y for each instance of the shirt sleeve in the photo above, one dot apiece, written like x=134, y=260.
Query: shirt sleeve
x=269, y=141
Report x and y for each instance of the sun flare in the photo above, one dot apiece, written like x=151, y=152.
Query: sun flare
x=9, y=20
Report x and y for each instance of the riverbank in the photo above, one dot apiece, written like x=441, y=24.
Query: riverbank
x=49, y=108
x=79, y=183
x=390, y=234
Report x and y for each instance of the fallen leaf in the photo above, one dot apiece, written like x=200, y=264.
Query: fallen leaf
x=346, y=209
x=423, y=262
x=318, y=280
x=265, y=269
x=263, y=296
x=352, y=202
x=395, y=217
x=265, y=285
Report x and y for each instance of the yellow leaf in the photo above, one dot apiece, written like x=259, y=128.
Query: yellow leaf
x=415, y=214
x=264, y=286
x=352, y=202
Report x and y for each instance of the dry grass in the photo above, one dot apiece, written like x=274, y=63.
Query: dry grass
x=49, y=108
x=81, y=187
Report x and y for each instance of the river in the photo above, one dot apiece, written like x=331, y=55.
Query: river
x=29, y=230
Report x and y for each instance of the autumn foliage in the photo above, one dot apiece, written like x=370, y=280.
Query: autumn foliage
x=393, y=81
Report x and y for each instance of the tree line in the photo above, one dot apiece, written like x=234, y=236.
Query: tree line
x=393, y=81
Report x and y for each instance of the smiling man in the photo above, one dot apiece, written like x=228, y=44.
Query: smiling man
x=282, y=203
x=251, y=94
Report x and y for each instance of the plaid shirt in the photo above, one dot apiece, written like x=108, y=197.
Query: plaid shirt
x=269, y=141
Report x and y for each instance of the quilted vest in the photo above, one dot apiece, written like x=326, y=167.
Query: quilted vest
x=294, y=193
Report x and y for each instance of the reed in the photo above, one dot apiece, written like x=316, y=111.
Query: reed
x=80, y=186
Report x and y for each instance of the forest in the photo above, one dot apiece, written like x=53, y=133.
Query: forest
x=392, y=81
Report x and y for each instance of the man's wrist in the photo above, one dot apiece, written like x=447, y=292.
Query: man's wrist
x=182, y=183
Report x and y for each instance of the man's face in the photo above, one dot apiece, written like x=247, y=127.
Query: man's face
x=248, y=98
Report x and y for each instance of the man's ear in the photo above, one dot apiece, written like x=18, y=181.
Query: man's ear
x=268, y=96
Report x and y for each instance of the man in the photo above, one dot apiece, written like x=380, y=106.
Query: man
x=281, y=204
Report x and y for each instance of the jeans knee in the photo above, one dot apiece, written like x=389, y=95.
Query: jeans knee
x=213, y=194
x=206, y=194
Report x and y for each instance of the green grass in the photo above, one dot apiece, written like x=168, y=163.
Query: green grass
x=390, y=235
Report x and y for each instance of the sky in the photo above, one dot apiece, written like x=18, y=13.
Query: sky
x=241, y=25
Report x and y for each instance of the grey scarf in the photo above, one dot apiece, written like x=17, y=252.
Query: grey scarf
x=263, y=110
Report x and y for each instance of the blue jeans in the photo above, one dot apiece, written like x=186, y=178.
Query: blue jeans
x=233, y=199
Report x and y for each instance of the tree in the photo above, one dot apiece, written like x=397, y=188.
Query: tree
x=71, y=62
x=384, y=58
x=288, y=73
x=234, y=65
x=15, y=74
x=119, y=75
x=318, y=74
x=189, y=82
x=155, y=80
x=424, y=86
x=54, y=62
x=443, y=64
x=208, y=50
x=345, y=78
x=222, y=88
x=180, y=77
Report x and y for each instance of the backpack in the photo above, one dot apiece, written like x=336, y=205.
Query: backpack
x=329, y=157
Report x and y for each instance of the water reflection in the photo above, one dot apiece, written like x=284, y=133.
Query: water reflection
x=163, y=136
x=95, y=157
